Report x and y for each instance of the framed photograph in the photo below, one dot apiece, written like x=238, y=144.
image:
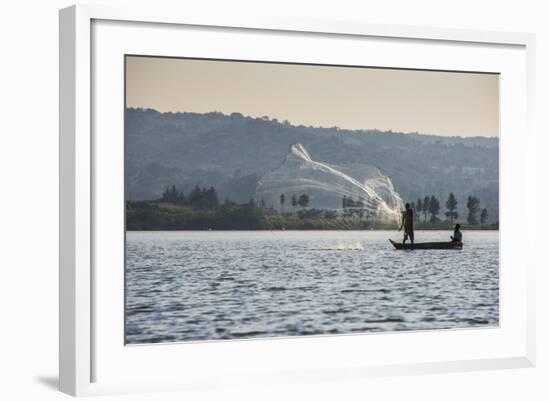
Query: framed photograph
x=276, y=200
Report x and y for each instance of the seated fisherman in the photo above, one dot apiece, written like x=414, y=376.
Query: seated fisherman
x=457, y=235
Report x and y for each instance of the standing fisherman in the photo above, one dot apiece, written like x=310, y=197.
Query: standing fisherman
x=407, y=224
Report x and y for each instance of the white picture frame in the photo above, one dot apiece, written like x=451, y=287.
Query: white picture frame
x=88, y=345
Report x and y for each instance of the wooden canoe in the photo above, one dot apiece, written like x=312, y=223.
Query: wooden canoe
x=428, y=245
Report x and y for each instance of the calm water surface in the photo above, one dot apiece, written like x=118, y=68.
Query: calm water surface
x=204, y=285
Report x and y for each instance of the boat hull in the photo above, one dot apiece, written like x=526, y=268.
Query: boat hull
x=428, y=245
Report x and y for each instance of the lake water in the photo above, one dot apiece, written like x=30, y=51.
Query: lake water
x=212, y=285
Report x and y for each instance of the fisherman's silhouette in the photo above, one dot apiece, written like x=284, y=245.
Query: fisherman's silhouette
x=407, y=224
x=457, y=235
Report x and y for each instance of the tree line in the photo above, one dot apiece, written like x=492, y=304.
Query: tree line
x=302, y=200
x=198, y=198
x=207, y=199
x=430, y=206
x=349, y=202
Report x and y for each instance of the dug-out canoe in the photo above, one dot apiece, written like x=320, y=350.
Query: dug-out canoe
x=428, y=245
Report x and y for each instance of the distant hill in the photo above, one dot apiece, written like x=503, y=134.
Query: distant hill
x=233, y=152
x=485, y=142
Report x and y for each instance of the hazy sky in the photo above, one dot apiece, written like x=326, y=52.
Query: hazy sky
x=442, y=103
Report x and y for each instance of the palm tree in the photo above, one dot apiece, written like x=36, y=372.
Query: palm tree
x=434, y=209
x=426, y=207
x=294, y=202
x=418, y=209
x=473, y=209
x=303, y=200
x=451, y=207
x=484, y=216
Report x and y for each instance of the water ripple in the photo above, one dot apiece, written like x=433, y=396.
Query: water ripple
x=227, y=285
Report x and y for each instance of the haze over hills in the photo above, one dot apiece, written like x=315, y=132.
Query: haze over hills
x=234, y=152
